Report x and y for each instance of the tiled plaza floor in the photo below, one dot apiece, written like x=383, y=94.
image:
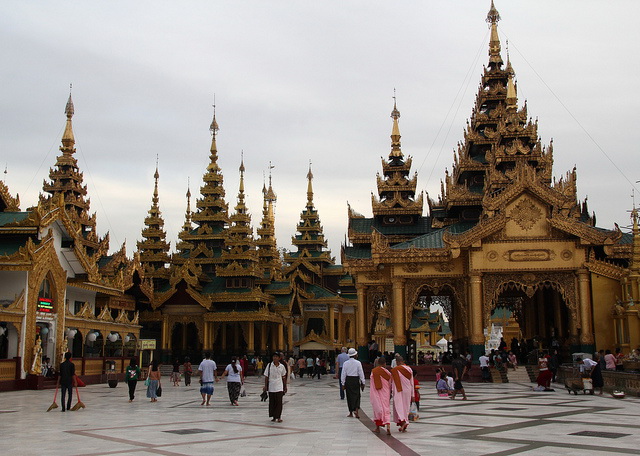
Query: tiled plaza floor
x=498, y=419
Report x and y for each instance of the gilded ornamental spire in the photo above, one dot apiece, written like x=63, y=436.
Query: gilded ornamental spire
x=268, y=255
x=154, y=248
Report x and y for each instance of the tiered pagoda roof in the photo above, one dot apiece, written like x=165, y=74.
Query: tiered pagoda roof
x=154, y=248
x=396, y=202
x=310, y=241
x=268, y=255
x=67, y=183
x=204, y=244
x=240, y=257
x=500, y=147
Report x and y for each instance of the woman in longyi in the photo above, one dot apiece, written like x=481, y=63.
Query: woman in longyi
x=380, y=395
x=402, y=387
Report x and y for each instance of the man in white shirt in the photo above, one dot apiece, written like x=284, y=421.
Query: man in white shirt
x=207, y=371
x=342, y=358
x=275, y=383
x=352, y=378
x=484, y=366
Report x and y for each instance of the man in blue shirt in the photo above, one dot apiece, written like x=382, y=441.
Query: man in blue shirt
x=342, y=357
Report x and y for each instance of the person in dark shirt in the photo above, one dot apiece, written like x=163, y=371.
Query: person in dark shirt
x=67, y=380
x=459, y=365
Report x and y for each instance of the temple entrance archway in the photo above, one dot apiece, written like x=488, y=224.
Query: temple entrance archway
x=435, y=311
x=539, y=315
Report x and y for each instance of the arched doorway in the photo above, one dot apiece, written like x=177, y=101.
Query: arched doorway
x=538, y=317
x=430, y=318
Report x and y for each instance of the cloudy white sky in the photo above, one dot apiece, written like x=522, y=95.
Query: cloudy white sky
x=299, y=81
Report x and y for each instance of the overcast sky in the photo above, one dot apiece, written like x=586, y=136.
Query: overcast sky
x=304, y=81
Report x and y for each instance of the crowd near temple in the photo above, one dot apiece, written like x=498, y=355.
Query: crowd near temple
x=505, y=244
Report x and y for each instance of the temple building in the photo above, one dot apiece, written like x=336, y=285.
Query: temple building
x=504, y=242
x=503, y=233
x=59, y=290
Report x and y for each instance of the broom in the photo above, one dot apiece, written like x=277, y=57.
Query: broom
x=54, y=405
x=79, y=404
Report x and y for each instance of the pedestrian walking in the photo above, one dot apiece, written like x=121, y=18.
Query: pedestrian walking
x=67, y=380
x=342, y=358
x=208, y=375
x=188, y=371
x=459, y=366
x=353, y=379
x=154, y=381
x=131, y=376
x=275, y=383
x=380, y=395
x=233, y=372
x=403, y=389
x=175, y=374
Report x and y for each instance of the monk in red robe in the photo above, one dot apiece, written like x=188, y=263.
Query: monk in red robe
x=380, y=395
x=403, y=392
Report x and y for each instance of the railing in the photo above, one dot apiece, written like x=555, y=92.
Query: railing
x=10, y=369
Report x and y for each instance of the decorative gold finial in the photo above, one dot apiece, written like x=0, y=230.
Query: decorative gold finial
x=68, y=110
x=493, y=16
x=309, y=186
x=214, y=125
x=395, y=130
x=68, y=140
x=241, y=194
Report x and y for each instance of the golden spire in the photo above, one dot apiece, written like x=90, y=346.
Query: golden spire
x=494, y=42
x=187, y=216
x=213, y=128
x=395, y=131
x=68, y=139
x=512, y=94
x=156, y=175
x=309, y=187
x=241, y=190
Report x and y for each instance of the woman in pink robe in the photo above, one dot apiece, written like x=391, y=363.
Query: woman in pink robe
x=380, y=395
x=402, y=386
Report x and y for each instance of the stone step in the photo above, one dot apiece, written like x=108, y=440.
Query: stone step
x=520, y=375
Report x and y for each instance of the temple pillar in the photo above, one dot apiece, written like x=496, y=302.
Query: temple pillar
x=223, y=336
x=340, y=327
x=290, y=334
x=586, y=320
x=557, y=315
x=263, y=337
x=332, y=317
x=399, y=329
x=541, y=327
x=165, y=333
x=361, y=323
x=280, y=346
x=476, y=339
x=251, y=348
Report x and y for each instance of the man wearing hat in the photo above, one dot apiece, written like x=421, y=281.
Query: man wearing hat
x=352, y=377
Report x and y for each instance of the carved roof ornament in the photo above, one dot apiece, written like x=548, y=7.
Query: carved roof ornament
x=10, y=203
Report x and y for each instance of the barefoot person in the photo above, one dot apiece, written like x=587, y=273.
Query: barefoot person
x=207, y=371
x=459, y=366
x=380, y=395
x=352, y=378
x=402, y=387
x=275, y=383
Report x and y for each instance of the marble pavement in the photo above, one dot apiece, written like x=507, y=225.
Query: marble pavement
x=498, y=419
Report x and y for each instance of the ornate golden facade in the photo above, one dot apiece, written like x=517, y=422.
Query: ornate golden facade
x=503, y=233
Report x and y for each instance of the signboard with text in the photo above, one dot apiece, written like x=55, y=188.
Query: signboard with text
x=147, y=344
x=45, y=305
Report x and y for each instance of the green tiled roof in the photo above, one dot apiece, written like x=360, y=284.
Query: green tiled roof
x=217, y=284
x=283, y=300
x=9, y=248
x=357, y=252
x=277, y=286
x=434, y=240
x=320, y=292
x=12, y=217
x=366, y=225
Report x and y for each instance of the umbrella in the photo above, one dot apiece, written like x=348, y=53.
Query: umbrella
x=79, y=404
x=54, y=405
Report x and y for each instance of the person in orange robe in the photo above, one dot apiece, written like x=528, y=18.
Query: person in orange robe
x=380, y=395
x=403, y=392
